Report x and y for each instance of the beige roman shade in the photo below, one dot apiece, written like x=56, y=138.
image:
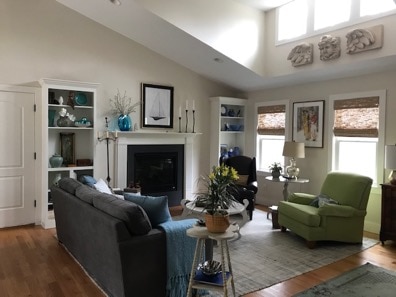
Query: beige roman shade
x=271, y=120
x=356, y=117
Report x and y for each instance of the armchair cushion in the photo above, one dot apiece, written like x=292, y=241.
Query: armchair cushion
x=301, y=198
x=305, y=214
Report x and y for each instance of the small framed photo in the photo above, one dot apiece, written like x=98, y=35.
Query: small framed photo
x=68, y=148
x=308, y=123
x=157, y=106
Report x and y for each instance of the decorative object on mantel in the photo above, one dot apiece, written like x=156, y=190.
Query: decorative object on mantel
x=218, y=197
x=193, y=114
x=122, y=106
x=330, y=47
x=157, y=109
x=301, y=54
x=108, y=136
x=65, y=119
x=360, y=40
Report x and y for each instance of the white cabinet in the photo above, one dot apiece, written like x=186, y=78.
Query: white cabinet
x=75, y=142
x=227, y=127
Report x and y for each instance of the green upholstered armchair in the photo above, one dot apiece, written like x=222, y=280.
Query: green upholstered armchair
x=336, y=222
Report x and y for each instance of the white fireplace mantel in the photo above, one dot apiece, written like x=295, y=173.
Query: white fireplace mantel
x=156, y=138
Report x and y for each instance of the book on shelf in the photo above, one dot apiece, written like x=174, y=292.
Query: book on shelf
x=216, y=280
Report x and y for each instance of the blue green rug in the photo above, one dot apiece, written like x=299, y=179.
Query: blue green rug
x=365, y=281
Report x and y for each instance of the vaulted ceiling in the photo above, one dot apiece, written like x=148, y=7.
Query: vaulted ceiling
x=139, y=24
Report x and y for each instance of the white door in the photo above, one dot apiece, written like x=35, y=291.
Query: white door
x=17, y=164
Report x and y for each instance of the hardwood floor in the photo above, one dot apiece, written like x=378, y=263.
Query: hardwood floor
x=32, y=263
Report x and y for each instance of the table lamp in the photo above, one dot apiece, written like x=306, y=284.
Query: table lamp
x=390, y=162
x=293, y=150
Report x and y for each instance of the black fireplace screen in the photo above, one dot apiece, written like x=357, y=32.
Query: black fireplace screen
x=158, y=169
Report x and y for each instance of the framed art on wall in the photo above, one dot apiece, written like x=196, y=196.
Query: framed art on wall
x=308, y=123
x=67, y=148
x=157, y=106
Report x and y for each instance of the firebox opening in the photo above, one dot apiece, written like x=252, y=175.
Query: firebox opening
x=158, y=169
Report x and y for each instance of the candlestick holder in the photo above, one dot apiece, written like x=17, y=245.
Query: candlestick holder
x=179, y=124
x=193, y=130
x=186, y=119
x=108, y=136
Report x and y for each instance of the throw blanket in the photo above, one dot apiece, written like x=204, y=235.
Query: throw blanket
x=180, y=254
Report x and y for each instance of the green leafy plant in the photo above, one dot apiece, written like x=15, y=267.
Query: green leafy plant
x=276, y=166
x=220, y=190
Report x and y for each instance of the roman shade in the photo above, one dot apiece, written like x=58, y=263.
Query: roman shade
x=356, y=117
x=271, y=120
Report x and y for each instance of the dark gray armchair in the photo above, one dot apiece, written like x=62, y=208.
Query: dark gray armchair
x=247, y=183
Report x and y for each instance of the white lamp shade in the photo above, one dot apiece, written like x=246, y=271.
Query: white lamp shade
x=294, y=149
x=390, y=157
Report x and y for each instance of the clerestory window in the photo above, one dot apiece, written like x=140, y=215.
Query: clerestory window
x=303, y=18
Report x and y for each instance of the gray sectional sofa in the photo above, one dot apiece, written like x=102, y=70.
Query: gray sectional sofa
x=112, y=239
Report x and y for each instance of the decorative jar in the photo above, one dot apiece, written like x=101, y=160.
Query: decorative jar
x=56, y=161
x=124, y=122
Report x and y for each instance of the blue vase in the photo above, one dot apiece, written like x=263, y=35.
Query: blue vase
x=124, y=122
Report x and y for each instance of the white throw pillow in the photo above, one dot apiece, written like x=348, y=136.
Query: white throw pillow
x=101, y=186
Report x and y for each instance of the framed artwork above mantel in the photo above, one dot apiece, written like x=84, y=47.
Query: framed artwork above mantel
x=308, y=120
x=157, y=106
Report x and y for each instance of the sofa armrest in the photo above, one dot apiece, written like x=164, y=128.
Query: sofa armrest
x=340, y=211
x=301, y=198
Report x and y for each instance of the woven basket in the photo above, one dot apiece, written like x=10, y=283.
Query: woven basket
x=217, y=223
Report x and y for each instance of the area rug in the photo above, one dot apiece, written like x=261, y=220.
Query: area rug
x=263, y=256
x=364, y=281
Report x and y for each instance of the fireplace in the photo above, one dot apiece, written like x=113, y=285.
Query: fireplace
x=158, y=169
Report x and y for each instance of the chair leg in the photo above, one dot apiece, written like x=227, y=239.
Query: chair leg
x=251, y=214
x=311, y=244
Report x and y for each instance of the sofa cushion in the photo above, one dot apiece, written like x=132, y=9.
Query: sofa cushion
x=305, y=214
x=156, y=207
x=101, y=186
x=86, y=193
x=69, y=185
x=87, y=180
x=131, y=214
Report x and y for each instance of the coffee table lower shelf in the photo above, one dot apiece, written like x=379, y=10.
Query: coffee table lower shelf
x=214, y=283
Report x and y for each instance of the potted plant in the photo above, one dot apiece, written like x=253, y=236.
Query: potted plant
x=218, y=197
x=275, y=169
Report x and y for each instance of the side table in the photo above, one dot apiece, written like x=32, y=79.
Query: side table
x=273, y=210
x=201, y=233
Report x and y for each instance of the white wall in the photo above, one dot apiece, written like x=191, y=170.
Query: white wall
x=43, y=38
